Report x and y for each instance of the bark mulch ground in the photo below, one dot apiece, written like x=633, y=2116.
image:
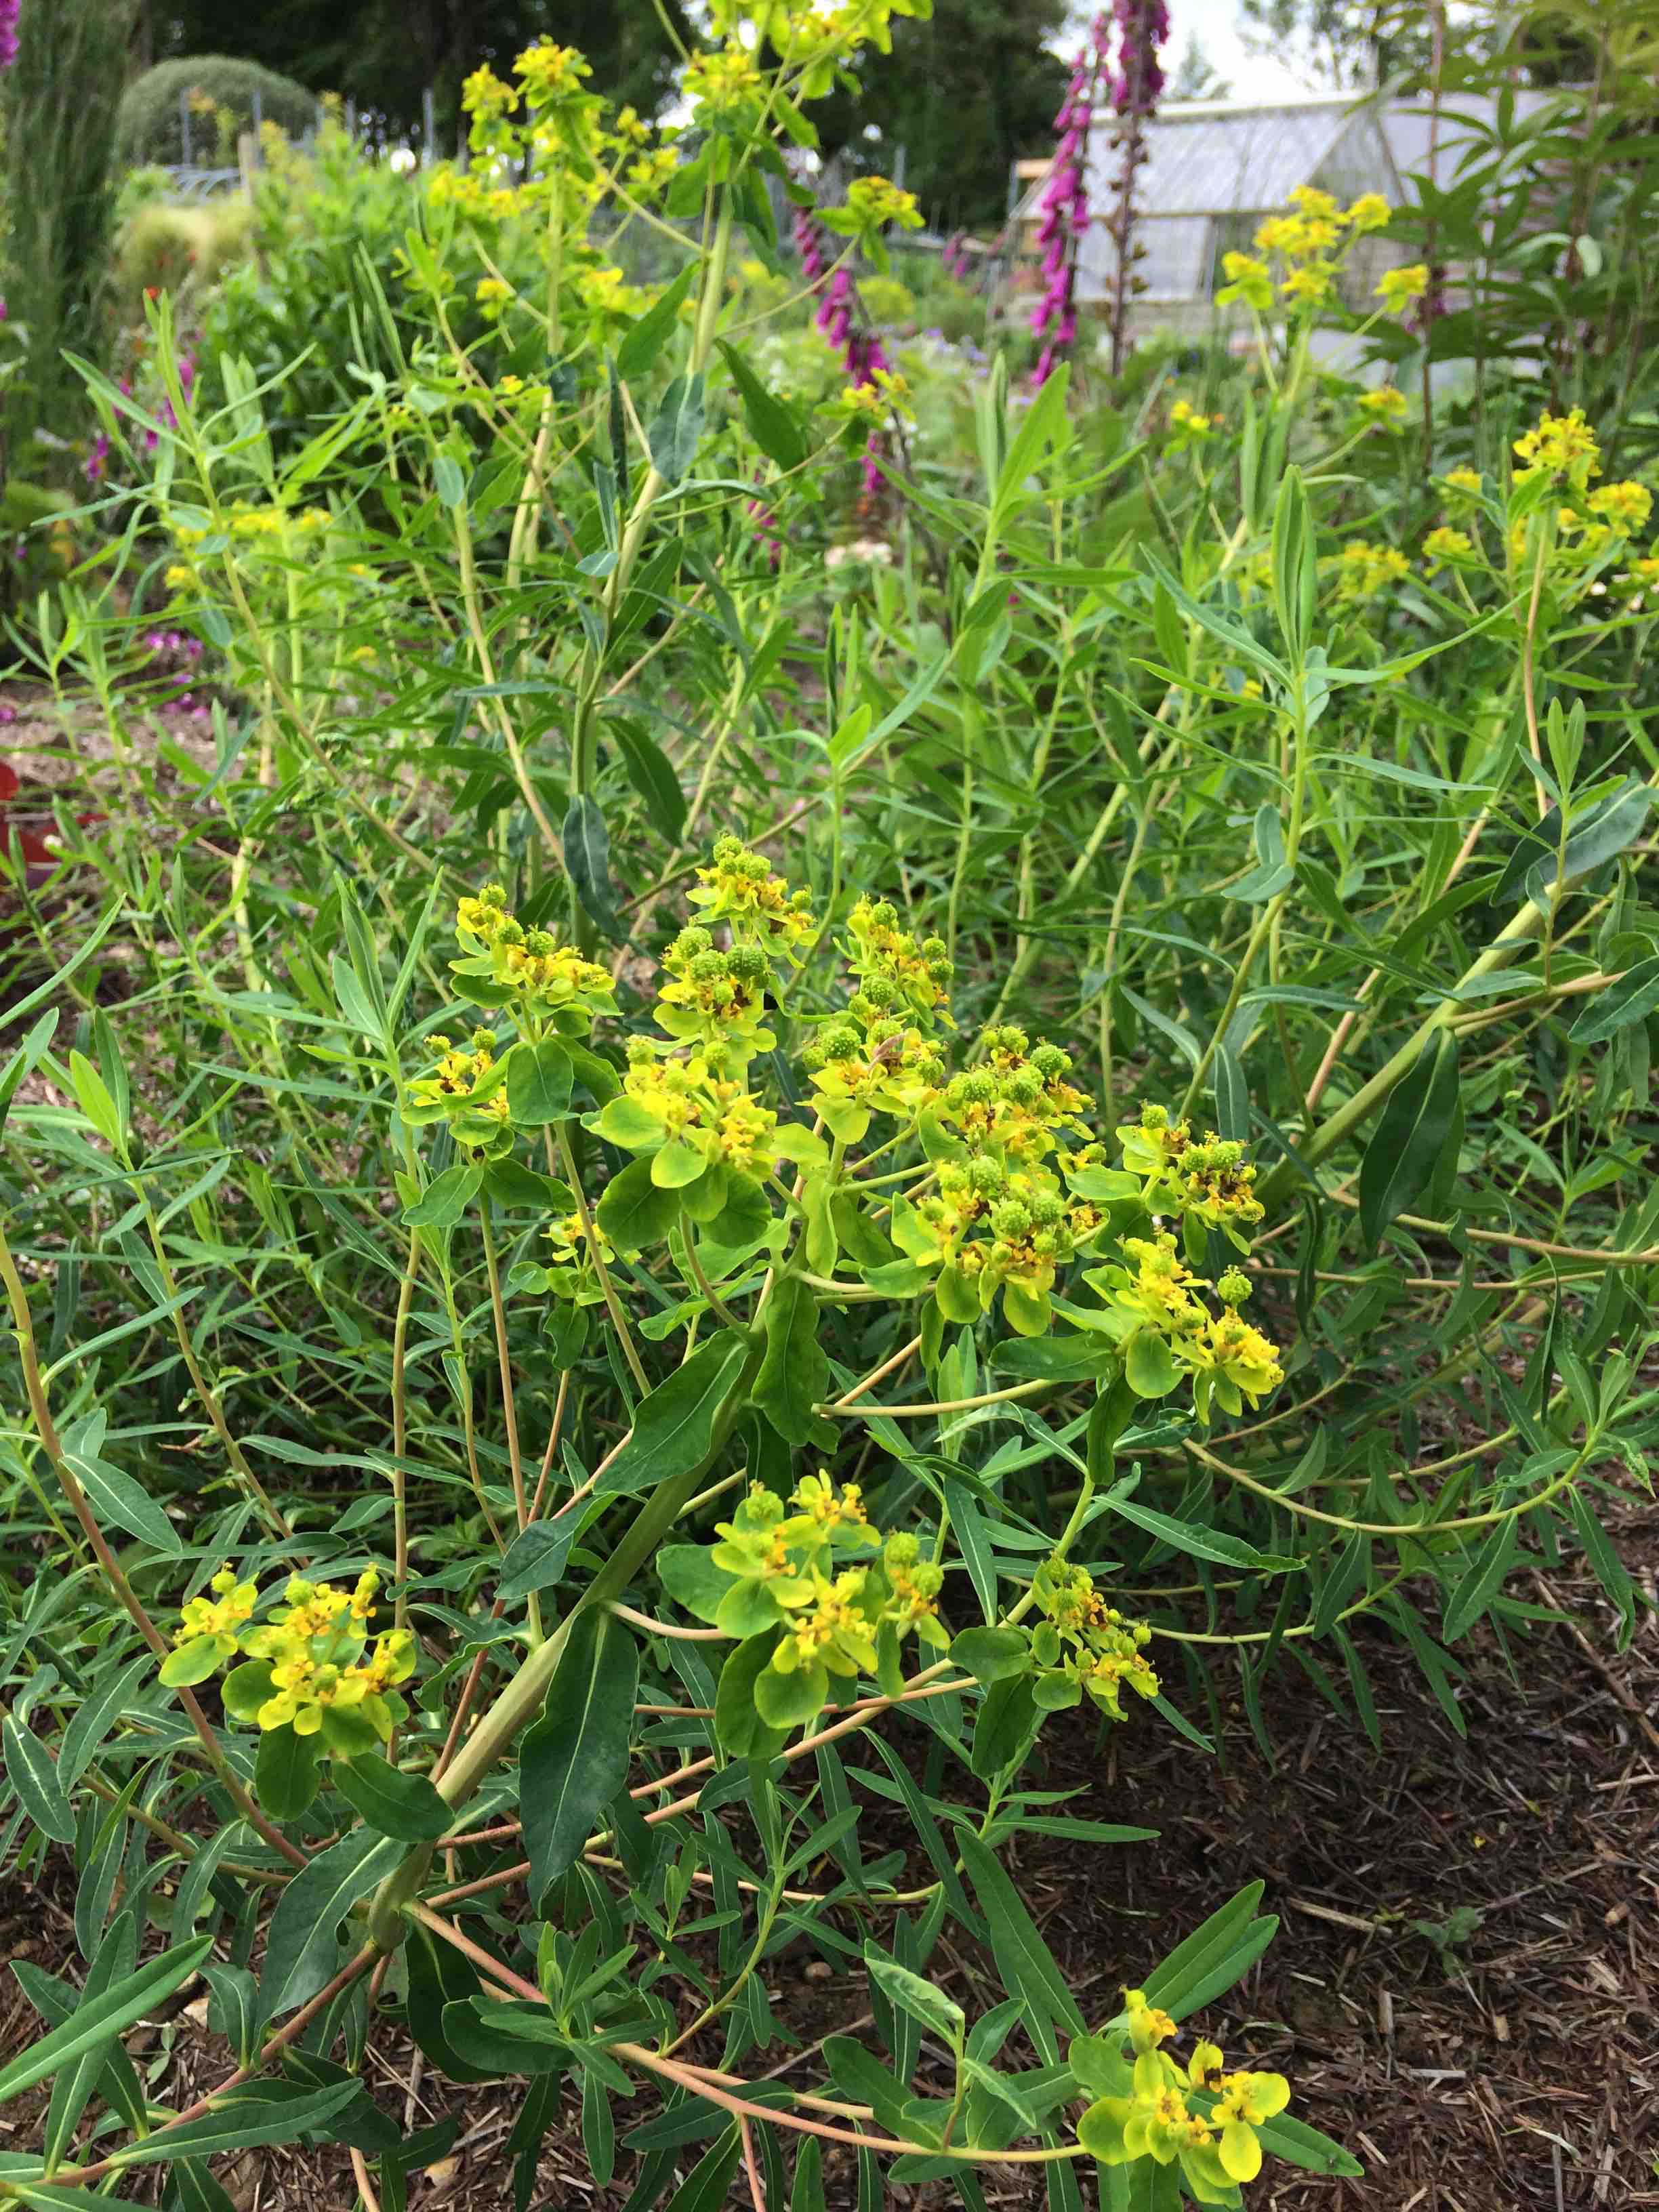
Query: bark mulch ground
x=1465, y=1987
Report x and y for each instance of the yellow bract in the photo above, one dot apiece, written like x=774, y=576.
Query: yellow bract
x=1400, y=287
x=1565, y=445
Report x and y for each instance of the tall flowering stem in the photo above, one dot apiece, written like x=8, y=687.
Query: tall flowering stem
x=1065, y=204
x=863, y=355
x=1143, y=25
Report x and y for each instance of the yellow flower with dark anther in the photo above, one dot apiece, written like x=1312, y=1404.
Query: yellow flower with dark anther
x=1564, y=445
x=1205, y=2119
x=1246, y=2102
x=1082, y=1644
x=305, y=1666
x=1231, y=1361
x=1627, y=507
x=1398, y=288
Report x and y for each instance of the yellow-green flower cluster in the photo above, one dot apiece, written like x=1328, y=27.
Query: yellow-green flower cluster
x=1082, y=1644
x=1362, y=570
x=573, y=1252
x=1399, y=288
x=464, y=1089
x=999, y=1218
x=1206, y=1178
x=1167, y=1330
x=690, y=1116
x=874, y=202
x=783, y=1572
x=208, y=1628
x=1447, y=548
x=1147, y=2105
x=1561, y=446
x=743, y=888
x=1308, y=244
x=1190, y=426
x=880, y=1055
x=505, y=964
x=692, y=1111
x=1385, y=408
x=724, y=81
x=305, y=1667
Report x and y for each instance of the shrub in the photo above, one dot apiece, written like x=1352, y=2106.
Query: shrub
x=503, y=1193
x=165, y=247
x=149, y=128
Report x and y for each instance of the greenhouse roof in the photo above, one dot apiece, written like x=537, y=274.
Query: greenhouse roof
x=1212, y=158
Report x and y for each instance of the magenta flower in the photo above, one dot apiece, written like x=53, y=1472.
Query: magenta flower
x=1143, y=25
x=861, y=350
x=1064, y=203
x=9, y=9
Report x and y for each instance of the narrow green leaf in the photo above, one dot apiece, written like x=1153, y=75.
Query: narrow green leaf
x=302, y=1944
x=253, y=2113
x=96, y=2021
x=1200, y=1543
x=1026, y=1963
x=773, y=423
x=1483, y=1580
x=392, y=1802
x=588, y=858
x=1631, y=999
x=674, y=1426
x=794, y=1376
x=92, y=1095
x=646, y=335
x=535, y=1559
x=652, y=774
x=676, y=427
x=1410, y=1134
x=575, y=1759
x=34, y=1779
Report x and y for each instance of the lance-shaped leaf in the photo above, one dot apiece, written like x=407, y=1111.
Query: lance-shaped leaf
x=575, y=1759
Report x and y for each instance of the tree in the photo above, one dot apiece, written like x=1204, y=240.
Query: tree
x=963, y=95
x=383, y=54
x=1196, y=77
x=1339, y=44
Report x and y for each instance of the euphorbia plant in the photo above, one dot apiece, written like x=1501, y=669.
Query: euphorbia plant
x=737, y=1226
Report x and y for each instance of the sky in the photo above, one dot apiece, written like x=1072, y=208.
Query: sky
x=1215, y=25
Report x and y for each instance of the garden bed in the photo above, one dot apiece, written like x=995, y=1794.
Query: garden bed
x=1518, y=2068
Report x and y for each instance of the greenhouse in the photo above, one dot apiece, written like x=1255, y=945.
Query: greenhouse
x=1213, y=170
